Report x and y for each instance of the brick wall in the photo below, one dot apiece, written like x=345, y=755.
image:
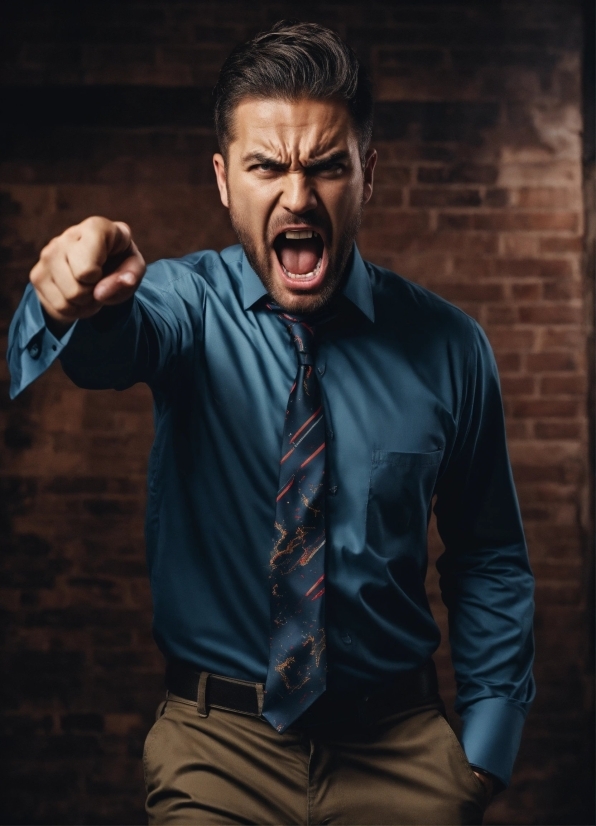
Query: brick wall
x=478, y=196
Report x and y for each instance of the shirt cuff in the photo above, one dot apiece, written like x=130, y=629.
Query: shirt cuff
x=37, y=348
x=491, y=735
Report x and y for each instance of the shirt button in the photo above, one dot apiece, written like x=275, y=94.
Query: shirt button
x=330, y=434
x=34, y=350
x=321, y=369
x=346, y=638
x=333, y=490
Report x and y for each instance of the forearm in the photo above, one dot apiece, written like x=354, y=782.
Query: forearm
x=101, y=353
x=486, y=580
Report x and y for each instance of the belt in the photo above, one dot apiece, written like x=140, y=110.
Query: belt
x=406, y=691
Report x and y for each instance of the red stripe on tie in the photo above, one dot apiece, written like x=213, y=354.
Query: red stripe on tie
x=312, y=588
x=306, y=423
x=320, y=594
x=312, y=455
x=289, y=453
x=285, y=490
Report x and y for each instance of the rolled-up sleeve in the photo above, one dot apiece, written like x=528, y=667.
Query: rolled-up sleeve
x=486, y=580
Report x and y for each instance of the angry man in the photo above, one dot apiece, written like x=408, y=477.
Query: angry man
x=309, y=406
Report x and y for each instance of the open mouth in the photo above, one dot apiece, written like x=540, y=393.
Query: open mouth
x=301, y=256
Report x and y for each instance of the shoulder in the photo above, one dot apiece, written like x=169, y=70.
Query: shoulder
x=403, y=305
x=194, y=274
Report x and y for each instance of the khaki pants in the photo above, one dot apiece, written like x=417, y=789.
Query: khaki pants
x=408, y=768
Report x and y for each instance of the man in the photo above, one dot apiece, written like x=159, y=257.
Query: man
x=308, y=408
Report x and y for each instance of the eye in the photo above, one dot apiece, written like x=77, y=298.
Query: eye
x=265, y=168
x=331, y=170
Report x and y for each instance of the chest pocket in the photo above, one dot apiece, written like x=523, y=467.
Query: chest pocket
x=399, y=497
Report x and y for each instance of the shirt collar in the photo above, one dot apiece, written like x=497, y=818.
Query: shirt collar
x=356, y=287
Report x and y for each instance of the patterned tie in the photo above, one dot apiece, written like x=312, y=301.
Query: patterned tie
x=297, y=659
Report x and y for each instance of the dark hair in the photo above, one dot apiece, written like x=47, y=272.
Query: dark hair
x=291, y=61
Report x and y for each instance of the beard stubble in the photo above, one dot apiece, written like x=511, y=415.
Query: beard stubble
x=260, y=261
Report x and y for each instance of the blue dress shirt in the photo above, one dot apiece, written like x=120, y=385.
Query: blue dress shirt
x=413, y=411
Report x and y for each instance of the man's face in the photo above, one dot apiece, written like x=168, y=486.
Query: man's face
x=295, y=187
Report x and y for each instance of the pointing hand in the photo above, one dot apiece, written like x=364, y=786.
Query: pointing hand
x=92, y=264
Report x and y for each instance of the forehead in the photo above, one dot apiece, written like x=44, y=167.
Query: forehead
x=308, y=126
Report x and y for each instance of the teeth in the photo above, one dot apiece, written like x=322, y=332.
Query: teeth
x=306, y=275
x=296, y=235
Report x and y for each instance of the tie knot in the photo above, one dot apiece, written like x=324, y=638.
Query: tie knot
x=302, y=332
x=303, y=336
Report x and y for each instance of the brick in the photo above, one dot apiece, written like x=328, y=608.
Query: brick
x=467, y=292
x=508, y=362
x=558, y=430
x=501, y=314
x=476, y=244
x=554, y=290
x=518, y=244
x=386, y=197
x=465, y=173
x=548, y=197
x=560, y=593
x=561, y=245
x=564, y=385
x=527, y=292
x=396, y=221
x=470, y=268
x=506, y=339
x=517, y=385
x=516, y=429
x=444, y=197
x=544, y=173
x=551, y=361
x=550, y=314
x=566, y=338
x=392, y=175
x=497, y=197
x=518, y=221
x=533, y=268
x=543, y=408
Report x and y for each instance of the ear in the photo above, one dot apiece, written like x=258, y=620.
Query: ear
x=219, y=165
x=369, y=171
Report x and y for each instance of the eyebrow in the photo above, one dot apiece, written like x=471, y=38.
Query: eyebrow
x=314, y=166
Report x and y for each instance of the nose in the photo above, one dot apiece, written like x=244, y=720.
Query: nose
x=298, y=195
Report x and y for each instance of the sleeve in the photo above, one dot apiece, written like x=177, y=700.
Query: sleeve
x=31, y=346
x=485, y=576
x=134, y=341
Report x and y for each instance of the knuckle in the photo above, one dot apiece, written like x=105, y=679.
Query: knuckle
x=95, y=224
x=47, y=251
x=35, y=276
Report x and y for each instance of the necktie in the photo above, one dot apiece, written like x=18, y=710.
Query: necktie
x=297, y=660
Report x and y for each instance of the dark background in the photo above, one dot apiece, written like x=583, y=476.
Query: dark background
x=485, y=194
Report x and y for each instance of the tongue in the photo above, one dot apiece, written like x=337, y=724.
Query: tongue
x=299, y=257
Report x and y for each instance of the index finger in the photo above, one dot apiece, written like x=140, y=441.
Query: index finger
x=92, y=243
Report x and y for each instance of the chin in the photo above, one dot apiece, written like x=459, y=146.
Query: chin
x=298, y=265
x=301, y=301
